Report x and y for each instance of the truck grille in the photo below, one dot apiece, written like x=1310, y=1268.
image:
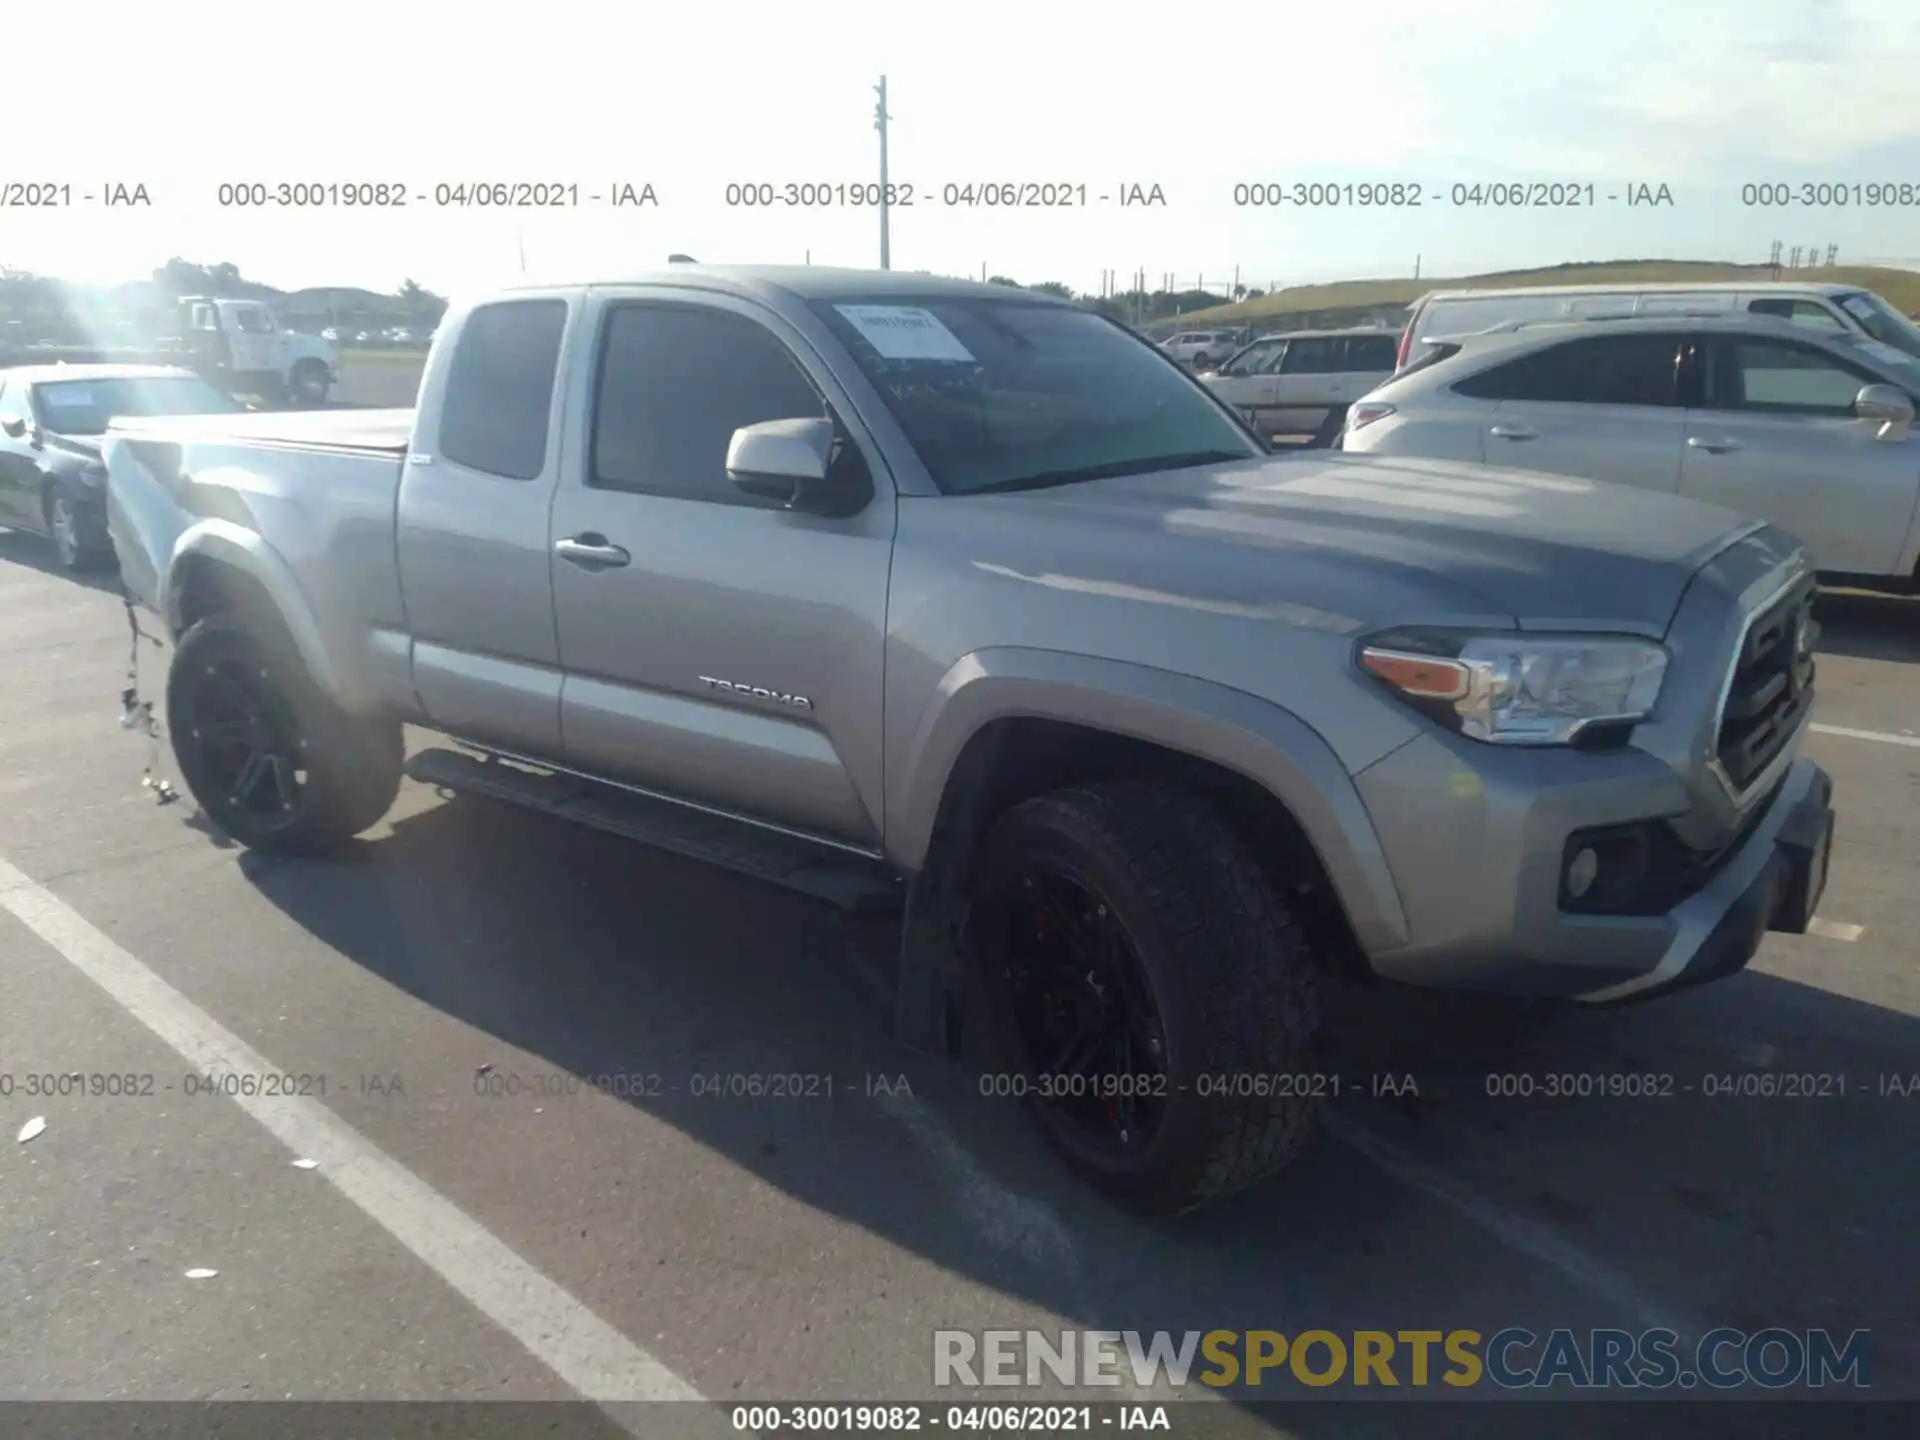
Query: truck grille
x=1771, y=688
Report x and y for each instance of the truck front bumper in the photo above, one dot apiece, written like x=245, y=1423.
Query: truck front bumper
x=1483, y=873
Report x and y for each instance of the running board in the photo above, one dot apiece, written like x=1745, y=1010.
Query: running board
x=849, y=881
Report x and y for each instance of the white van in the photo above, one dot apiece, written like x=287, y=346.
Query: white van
x=1446, y=314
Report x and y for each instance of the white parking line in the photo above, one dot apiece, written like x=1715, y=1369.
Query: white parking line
x=588, y=1354
x=1835, y=929
x=1527, y=1236
x=1912, y=741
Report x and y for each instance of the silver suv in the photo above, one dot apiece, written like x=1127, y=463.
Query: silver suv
x=1810, y=429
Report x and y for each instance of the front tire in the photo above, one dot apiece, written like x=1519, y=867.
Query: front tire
x=272, y=760
x=1152, y=998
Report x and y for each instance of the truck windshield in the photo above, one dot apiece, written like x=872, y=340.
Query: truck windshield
x=1882, y=321
x=86, y=407
x=1015, y=395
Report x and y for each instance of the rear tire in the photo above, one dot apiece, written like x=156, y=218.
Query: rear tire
x=272, y=760
x=1224, y=1058
x=310, y=383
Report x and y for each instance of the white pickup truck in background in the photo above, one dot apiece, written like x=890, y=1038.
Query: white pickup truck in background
x=241, y=343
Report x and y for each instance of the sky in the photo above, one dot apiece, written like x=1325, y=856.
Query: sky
x=1703, y=97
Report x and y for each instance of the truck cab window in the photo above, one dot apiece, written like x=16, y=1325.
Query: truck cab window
x=499, y=392
x=253, y=321
x=675, y=382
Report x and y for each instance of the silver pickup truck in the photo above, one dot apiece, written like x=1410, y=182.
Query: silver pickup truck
x=906, y=591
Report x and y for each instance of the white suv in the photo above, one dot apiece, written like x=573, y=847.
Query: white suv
x=1809, y=429
x=1303, y=381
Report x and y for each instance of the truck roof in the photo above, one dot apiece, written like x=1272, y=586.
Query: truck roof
x=802, y=282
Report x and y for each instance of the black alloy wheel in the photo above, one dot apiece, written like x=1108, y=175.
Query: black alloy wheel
x=1087, y=1029
x=246, y=742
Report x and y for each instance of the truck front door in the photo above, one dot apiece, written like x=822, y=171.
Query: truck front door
x=719, y=649
x=252, y=339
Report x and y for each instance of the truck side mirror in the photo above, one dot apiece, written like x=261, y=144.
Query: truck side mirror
x=1889, y=405
x=792, y=461
x=15, y=428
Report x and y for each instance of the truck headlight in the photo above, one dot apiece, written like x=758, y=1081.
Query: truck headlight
x=1519, y=689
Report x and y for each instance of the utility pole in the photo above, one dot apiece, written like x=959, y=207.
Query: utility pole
x=880, y=118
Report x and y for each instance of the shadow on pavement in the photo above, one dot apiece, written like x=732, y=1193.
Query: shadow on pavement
x=604, y=957
x=35, y=552
x=1868, y=626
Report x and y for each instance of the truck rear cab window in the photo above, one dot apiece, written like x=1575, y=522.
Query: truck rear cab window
x=675, y=382
x=1610, y=370
x=499, y=395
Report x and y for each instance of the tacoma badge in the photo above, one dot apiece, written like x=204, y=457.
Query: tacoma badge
x=759, y=692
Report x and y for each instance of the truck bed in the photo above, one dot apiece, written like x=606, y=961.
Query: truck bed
x=379, y=432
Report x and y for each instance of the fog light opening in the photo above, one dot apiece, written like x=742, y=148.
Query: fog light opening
x=1582, y=871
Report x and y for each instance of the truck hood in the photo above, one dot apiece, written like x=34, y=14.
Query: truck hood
x=1394, y=535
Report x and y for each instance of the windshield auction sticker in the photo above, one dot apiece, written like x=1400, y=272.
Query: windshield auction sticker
x=904, y=332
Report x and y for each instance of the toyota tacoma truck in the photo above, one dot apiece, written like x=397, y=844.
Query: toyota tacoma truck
x=924, y=593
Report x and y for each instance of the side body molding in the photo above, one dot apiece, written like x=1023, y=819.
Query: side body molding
x=1231, y=728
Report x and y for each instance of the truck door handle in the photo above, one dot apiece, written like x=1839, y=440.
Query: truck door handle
x=1712, y=447
x=1512, y=432
x=591, y=551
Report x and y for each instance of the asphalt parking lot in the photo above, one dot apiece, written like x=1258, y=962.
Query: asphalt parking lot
x=453, y=1240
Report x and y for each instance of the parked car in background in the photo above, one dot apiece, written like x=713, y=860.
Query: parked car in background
x=1200, y=348
x=1445, y=314
x=979, y=607
x=1303, y=381
x=1810, y=429
x=52, y=481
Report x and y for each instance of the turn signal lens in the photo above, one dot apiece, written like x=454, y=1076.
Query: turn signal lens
x=1420, y=676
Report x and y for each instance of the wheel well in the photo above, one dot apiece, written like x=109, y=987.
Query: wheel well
x=1012, y=760
x=210, y=587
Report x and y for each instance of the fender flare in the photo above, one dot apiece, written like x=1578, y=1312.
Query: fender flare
x=225, y=543
x=1265, y=742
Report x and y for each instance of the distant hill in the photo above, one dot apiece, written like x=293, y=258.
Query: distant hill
x=1901, y=287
